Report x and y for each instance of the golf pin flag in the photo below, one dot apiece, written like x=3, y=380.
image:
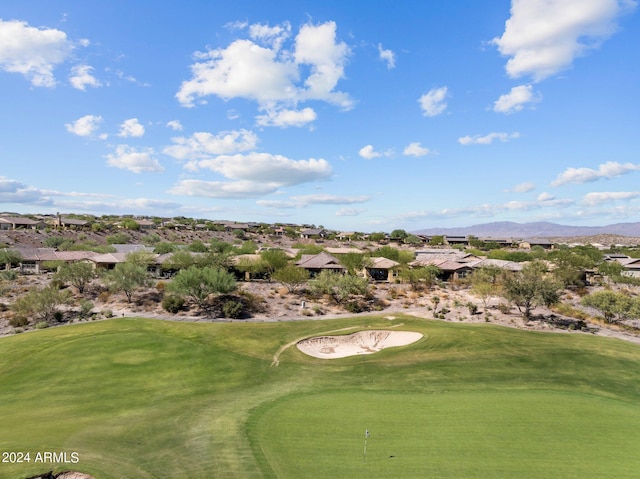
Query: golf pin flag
x=366, y=434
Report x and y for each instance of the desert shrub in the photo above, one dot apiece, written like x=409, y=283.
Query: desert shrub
x=85, y=308
x=173, y=303
x=58, y=316
x=104, y=296
x=42, y=325
x=354, y=307
x=18, y=322
x=504, y=308
x=253, y=303
x=8, y=275
x=473, y=308
x=232, y=309
x=161, y=286
x=107, y=313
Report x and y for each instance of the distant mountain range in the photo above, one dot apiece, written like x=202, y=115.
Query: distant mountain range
x=542, y=229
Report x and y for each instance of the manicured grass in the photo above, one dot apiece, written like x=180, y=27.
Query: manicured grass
x=142, y=398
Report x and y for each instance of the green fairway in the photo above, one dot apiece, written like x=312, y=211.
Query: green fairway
x=140, y=398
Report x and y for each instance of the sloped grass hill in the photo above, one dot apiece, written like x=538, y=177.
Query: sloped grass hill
x=139, y=398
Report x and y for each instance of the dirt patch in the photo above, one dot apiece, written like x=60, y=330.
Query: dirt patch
x=362, y=342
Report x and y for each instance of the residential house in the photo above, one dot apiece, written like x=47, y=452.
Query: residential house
x=313, y=233
x=33, y=260
x=315, y=263
x=529, y=243
x=19, y=223
x=382, y=269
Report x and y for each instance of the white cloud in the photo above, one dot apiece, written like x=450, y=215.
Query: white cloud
x=269, y=75
x=607, y=170
x=597, y=198
x=368, y=153
x=330, y=199
x=221, y=189
x=137, y=161
x=81, y=77
x=488, y=139
x=522, y=188
x=33, y=52
x=350, y=212
x=542, y=38
x=84, y=126
x=304, y=201
x=202, y=145
x=286, y=118
x=15, y=192
x=131, y=128
x=273, y=36
x=544, y=197
x=387, y=56
x=268, y=168
x=416, y=149
x=434, y=101
x=175, y=125
x=516, y=99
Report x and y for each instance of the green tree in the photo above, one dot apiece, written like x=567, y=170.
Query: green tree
x=485, y=283
x=292, y=277
x=398, y=235
x=164, y=247
x=613, y=306
x=41, y=303
x=419, y=277
x=340, y=287
x=179, y=260
x=9, y=258
x=78, y=274
x=436, y=240
x=126, y=277
x=197, y=246
x=378, y=237
x=570, y=266
x=531, y=287
x=198, y=284
x=130, y=224
x=274, y=260
x=354, y=262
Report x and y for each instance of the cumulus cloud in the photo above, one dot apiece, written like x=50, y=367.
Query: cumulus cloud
x=387, y=56
x=488, y=139
x=415, y=149
x=259, y=69
x=542, y=38
x=286, y=118
x=598, y=198
x=607, y=170
x=544, y=197
x=135, y=160
x=267, y=168
x=522, y=188
x=434, y=101
x=175, y=125
x=368, y=152
x=303, y=201
x=516, y=99
x=202, y=145
x=33, y=52
x=84, y=126
x=131, y=128
x=350, y=212
x=15, y=192
x=81, y=77
x=221, y=189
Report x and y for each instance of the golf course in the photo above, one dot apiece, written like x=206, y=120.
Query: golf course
x=143, y=398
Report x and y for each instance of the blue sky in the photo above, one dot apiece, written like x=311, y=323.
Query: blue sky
x=366, y=116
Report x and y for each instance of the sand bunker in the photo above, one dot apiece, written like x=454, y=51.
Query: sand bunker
x=362, y=342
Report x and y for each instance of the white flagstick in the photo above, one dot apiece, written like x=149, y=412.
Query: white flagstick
x=366, y=436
